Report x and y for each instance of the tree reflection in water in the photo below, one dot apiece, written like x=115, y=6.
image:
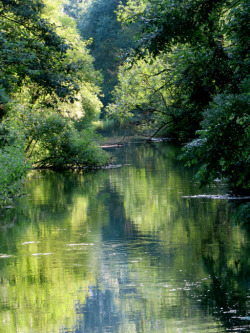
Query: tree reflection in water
x=121, y=250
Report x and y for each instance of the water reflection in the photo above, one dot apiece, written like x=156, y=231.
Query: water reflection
x=121, y=250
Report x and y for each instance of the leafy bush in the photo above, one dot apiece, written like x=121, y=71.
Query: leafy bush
x=44, y=140
x=52, y=141
x=222, y=150
x=65, y=147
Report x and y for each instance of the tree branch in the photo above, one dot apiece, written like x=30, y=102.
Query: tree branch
x=161, y=127
x=156, y=74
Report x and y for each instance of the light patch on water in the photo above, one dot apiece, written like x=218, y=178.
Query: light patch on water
x=230, y=311
x=41, y=254
x=112, y=166
x=214, y=196
x=244, y=318
x=5, y=255
x=33, y=242
x=81, y=244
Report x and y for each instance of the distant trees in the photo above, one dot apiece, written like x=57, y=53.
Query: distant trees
x=109, y=41
x=193, y=69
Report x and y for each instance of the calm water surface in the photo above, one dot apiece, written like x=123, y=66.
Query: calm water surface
x=122, y=251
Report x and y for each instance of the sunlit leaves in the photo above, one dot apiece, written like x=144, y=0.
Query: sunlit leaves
x=51, y=140
x=47, y=81
x=37, y=40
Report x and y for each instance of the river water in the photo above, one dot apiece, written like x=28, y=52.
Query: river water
x=123, y=250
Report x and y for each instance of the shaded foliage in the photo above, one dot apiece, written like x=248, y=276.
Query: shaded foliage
x=204, y=45
x=223, y=145
x=32, y=51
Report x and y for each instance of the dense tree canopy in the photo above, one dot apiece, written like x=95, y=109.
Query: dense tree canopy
x=32, y=51
x=202, y=49
x=48, y=92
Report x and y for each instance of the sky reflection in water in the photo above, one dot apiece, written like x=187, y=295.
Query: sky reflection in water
x=121, y=250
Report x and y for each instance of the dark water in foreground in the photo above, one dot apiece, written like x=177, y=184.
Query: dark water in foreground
x=120, y=250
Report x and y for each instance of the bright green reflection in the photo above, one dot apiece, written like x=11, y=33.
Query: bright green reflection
x=121, y=250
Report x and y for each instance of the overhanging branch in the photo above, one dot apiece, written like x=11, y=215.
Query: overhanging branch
x=160, y=128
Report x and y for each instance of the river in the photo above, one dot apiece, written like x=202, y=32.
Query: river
x=132, y=248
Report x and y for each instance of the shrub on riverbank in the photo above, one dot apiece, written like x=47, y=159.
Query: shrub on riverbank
x=42, y=140
x=222, y=149
x=52, y=141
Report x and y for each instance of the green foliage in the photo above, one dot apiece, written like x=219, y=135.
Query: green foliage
x=203, y=46
x=164, y=24
x=47, y=85
x=75, y=8
x=42, y=139
x=156, y=91
x=223, y=147
x=52, y=141
x=13, y=165
x=41, y=49
x=140, y=93
x=108, y=40
x=31, y=50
